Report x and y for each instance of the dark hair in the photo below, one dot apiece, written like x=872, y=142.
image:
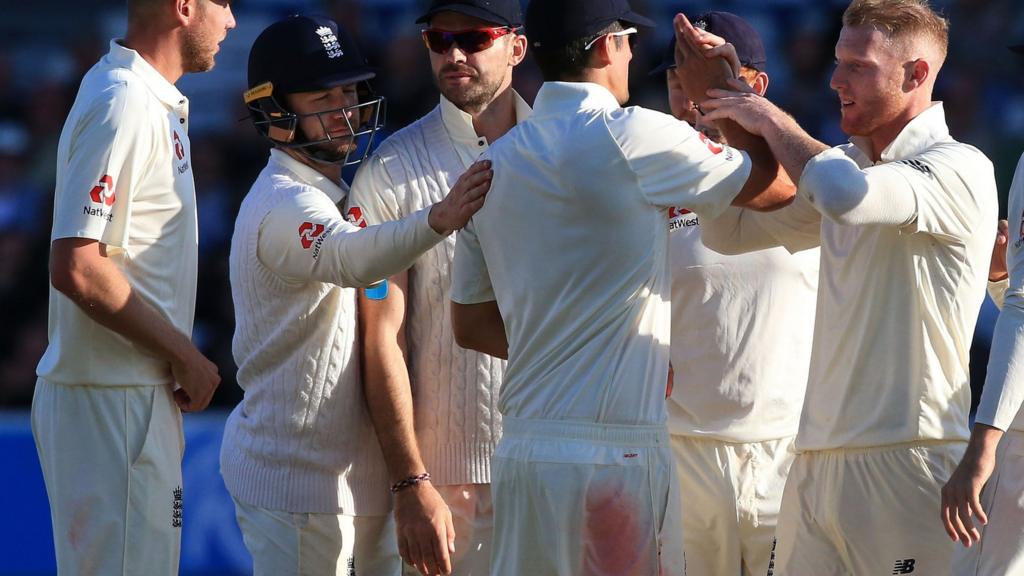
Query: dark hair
x=568, y=62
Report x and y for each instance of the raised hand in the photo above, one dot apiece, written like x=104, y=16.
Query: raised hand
x=742, y=105
x=701, y=64
x=464, y=199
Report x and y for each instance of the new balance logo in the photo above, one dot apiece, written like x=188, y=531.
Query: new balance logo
x=903, y=566
x=176, y=508
x=918, y=165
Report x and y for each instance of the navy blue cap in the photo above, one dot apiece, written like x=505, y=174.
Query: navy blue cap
x=503, y=12
x=734, y=29
x=306, y=53
x=557, y=23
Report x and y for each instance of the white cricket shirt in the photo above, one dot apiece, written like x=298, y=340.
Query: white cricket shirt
x=124, y=178
x=897, y=303
x=741, y=337
x=301, y=439
x=455, y=391
x=1003, y=394
x=572, y=244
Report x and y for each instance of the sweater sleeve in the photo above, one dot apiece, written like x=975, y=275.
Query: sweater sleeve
x=305, y=238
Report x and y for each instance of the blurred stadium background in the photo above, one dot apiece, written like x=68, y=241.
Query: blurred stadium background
x=47, y=45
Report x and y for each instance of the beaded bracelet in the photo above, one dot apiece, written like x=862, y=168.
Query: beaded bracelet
x=411, y=480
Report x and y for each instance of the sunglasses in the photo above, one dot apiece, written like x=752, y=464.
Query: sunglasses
x=628, y=32
x=469, y=41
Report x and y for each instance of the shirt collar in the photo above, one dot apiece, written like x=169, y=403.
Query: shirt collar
x=166, y=92
x=925, y=129
x=559, y=97
x=309, y=175
x=459, y=123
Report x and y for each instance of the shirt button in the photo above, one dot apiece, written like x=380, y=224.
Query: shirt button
x=481, y=142
x=181, y=120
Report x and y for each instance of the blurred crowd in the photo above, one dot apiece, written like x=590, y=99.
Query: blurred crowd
x=41, y=64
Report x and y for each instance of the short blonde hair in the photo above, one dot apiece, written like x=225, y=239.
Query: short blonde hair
x=901, y=20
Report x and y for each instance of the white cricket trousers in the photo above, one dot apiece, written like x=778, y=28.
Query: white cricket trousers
x=303, y=544
x=582, y=499
x=111, y=460
x=1001, y=549
x=730, y=495
x=865, y=511
x=473, y=518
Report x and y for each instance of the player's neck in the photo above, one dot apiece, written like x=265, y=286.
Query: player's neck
x=330, y=171
x=882, y=137
x=158, y=47
x=498, y=117
x=601, y=77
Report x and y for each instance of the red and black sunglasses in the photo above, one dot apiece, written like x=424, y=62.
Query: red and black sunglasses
x=469, y=41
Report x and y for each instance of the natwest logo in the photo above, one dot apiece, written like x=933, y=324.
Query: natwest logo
x=674, y=212
x=355, y=216
x=308, y=233
x=715, y=147
x=179, y=150
x=103, y=193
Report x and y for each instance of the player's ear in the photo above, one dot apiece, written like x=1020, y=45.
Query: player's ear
x=519, y=44
x=916, y=73
x=760, y=84
x=602, y=52
x=185, y=10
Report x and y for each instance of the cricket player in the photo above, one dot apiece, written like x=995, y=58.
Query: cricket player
x=120, y=366
x=741, y=346
x=437, y=401
x=905, y=217
x=299, y=455
x=565, y=271
x=981, y=502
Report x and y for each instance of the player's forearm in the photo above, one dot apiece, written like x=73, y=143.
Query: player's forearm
x=367, y=255
x=984, y=441
x=767, y=187
x=386, y=384
x=101, y=290
x=791, y=146
x=389, y=401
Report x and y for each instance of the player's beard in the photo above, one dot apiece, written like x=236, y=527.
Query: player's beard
x=472, y=96
x=873, y=112
x=198, y=46
x=334, y=151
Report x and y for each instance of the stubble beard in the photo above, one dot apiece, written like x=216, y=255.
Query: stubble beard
x=884, y=108
x=197, y=50
x=473, y=97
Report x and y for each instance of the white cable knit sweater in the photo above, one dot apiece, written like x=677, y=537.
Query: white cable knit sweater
x=455, y=390
x=301, y=440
